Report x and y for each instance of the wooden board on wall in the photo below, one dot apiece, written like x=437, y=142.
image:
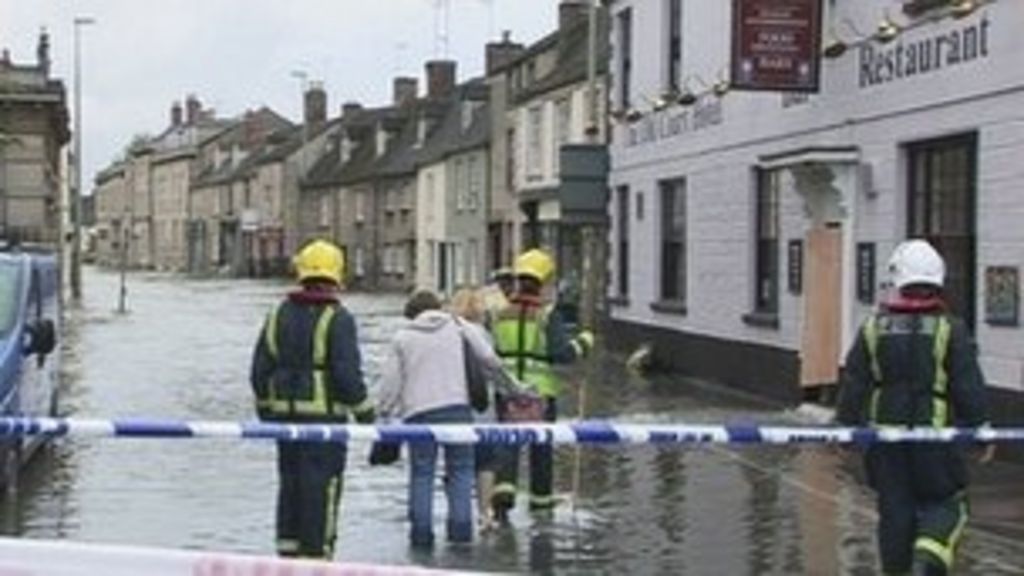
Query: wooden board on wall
x=819, y=351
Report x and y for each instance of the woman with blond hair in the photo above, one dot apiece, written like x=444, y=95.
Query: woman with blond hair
x=468, y=304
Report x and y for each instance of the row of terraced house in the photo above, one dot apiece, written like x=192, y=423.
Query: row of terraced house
x=434, y=188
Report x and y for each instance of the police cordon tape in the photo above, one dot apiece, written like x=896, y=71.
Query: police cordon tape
x=577, y=432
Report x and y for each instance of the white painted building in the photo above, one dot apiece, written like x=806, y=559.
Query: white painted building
x=750, y=231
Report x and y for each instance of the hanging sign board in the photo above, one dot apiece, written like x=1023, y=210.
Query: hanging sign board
x=776, y=45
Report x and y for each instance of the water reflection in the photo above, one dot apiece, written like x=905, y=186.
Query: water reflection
x=183, y=352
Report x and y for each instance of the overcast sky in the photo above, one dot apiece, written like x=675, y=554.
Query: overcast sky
x=238, y=54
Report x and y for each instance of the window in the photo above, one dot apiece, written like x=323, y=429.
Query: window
x=360, y=264
x=766, y=291
x=673, y=240
x=510, y=159
x=534, y=131
x=625, y=57
x=561, y=133
x=941, y=209
x=325, y=211
x=473, y=194
x=472, y=256
x=674, y=49
x=622, y=232
x=431, y=197
x=360, y=206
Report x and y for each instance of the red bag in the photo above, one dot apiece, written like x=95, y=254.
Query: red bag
x=523, y=408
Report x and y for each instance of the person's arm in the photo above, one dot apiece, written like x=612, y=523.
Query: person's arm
x=967, y=391
x=856, y=385
x=391, y=383
x=480, y=345
x=260, y=370
x=561, y=348
x=346, y=367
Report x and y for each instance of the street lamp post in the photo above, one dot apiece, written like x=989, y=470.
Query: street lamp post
x=76, y=247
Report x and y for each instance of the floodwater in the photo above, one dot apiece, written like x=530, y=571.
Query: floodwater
x=183, y=351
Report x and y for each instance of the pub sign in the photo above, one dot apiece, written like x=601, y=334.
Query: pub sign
x=776, y=45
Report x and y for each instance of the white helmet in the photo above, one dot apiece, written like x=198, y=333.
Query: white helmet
x=916, y=262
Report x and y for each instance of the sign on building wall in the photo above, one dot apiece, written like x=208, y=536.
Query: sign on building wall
x=776, y=45
x=795, y=266
x=866, y=272
x=1002, y=296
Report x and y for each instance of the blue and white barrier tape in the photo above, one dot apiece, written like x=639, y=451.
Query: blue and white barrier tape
x=585, y=432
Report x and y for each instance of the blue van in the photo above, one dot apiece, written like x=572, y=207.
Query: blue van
x=29, y=356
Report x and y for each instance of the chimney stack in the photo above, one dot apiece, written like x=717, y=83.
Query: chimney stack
x=315, y=107
x=176, y=114
x=43, y=52
x=440, y=79
x=498, y=54
x=193, y=109
x=571, y=13
x=348, y=109
x=405, y=90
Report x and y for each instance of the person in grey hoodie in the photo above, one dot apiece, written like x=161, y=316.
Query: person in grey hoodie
x=424, y=382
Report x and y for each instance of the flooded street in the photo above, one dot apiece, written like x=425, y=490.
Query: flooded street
x=183, y=352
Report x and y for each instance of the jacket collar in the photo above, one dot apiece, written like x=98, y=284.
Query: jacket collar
x=315, y=294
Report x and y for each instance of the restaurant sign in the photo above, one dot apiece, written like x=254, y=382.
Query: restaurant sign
x=776, y=45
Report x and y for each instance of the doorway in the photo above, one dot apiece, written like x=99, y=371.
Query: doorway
x=822, y=279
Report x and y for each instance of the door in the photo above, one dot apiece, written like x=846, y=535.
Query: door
x=819, y=352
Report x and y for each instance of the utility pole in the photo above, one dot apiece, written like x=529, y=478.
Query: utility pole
x=593, y=243
x=76, y=248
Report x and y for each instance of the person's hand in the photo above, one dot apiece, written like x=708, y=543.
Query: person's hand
x=987, y=453
x=586, y=340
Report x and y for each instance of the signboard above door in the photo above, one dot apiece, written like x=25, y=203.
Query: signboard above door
x=776, y=45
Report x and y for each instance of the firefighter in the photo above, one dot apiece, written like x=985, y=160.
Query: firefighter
x=530, y=337
x=915, y=365
x=306, y=368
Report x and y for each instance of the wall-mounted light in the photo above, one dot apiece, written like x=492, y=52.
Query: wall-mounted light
x=722, y=84
x=834, y=45
x=887, y=29
x=633, y=115
x=963, y=8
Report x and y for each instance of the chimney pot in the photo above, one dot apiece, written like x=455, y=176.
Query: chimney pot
x=350, y=108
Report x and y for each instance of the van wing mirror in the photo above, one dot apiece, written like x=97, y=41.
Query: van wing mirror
x=41, y=337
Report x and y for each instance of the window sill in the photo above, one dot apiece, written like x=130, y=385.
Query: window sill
x=762, y=319
x=677, y=307
x=618, y=301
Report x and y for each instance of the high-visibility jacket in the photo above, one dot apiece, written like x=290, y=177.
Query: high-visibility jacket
x=307, y=367
x=916, y=368
x=530, y=337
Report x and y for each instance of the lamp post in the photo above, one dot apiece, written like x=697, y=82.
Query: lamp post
x=76, y=248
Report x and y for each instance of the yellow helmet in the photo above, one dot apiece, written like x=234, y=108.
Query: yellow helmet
x=320, y=259
x=536, y=264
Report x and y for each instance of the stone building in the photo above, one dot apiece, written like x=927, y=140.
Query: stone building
x=33, y=135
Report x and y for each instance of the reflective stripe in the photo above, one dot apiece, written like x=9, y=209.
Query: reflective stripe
x=542, y=500
x=945, y=551
x=271, y=332
x=873, y=411
x=871, y=340
x=321, y=336
x=504, y=488
x=363, y=407
x=287, y=545
x=940, y=402
x=935, y=548
x=331, y=516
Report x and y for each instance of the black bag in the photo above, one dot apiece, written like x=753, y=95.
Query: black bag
x=384, y=453
x=476, y=377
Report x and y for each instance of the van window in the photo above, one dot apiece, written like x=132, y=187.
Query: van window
x=8, y=297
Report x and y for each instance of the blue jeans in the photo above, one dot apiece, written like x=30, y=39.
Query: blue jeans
x=458, y=463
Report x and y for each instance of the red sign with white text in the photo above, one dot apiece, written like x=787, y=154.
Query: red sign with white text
x=776, y=45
